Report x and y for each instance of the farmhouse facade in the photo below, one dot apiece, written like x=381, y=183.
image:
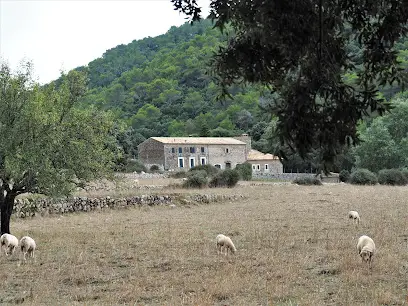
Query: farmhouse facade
x=264, y=163
x=179, y=153
x=184, y=153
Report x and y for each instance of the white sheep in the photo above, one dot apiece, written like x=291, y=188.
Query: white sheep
x=225, y=242
x=9, y=243
x=366, y=249
x=352, y=214
x=27, y=245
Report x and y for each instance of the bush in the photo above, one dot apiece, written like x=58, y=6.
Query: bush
x=178, y=174
x=392, y=177
x=245, y=171
x=209, y=169
x=196, y=179
x=344, y=175
x=130, y=165
x=405, y=172
x=307, y=180
x=363, y=177
x=154, y=168
x=226, y=178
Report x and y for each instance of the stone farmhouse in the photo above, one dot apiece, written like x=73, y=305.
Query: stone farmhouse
x=264, y=163
x=183, y=153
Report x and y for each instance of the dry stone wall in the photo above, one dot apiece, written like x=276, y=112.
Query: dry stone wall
x=24, y=208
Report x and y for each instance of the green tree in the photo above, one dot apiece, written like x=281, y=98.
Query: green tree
x=48, y=145
x=303, y=57
x=385, y=140
x=177, y=128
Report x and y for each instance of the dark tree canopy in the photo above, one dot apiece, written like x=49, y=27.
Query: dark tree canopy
x=300, y=50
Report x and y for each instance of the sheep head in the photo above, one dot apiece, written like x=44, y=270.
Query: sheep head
x=366, y=255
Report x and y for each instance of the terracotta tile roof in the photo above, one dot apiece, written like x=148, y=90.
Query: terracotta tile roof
x=199, y=140
x=256, y=155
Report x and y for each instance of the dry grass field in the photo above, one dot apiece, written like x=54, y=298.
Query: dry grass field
x=295, y=247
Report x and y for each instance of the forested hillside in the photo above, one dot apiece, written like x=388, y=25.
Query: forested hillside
x=159, y=87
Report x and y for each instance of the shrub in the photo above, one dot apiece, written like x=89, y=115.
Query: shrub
x=344, y=175
x=307, y=180
x=405, y=172
x=154, y=168
x=196, y=179
x=226, y=178
x=392, y=177
x=245, y=171
x=178, y=174
x=363, y=177
x=130, y=165
x=209, y=169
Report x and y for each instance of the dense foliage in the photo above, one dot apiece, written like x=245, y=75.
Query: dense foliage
x=49, y=145
x=209, y=169
x=392, y=177
x=344, y=176
x=245, y=171
x=225, y=178
x=363, y=177
x=385, y=140
x=196, y=179
x=302, y=51
x=161, y=87
x=307, y=181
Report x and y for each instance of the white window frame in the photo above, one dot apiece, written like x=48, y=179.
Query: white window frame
x=178, y=162
x=258, y=167
x=266, y=168
x=191, y=159
x=253, y=167
x=203, y=159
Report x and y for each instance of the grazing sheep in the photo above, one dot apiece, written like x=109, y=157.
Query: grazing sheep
x=366, y=249
x=225, y=242
x=27, y=245
x=352, y=214
x=9, y=243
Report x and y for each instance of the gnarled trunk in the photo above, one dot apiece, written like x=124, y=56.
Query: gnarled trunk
x=6, y=209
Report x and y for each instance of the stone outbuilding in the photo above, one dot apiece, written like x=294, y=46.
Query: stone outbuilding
x=264, y=163
x=183, y=153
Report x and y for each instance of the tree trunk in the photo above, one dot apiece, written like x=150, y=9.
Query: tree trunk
x=6, y=209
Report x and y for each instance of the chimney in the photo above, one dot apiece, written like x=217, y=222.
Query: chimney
x=247, y=139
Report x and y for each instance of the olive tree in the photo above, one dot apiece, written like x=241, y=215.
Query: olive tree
x=48, y=143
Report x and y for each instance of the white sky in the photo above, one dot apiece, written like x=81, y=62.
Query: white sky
x=60, y=34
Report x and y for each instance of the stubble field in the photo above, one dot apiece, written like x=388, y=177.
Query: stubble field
x=295, y=247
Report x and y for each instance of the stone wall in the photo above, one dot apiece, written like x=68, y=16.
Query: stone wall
x=24, y=208
x=151, y=152
x=281, y=176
